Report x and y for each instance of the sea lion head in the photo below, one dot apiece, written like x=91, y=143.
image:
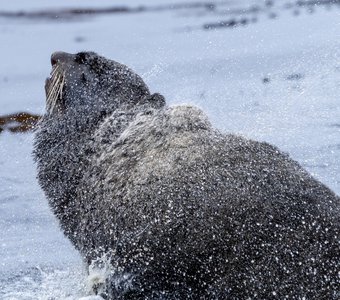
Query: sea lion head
x=88, y=82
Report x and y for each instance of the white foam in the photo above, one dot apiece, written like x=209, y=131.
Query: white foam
x=98, y=272
x=38, y=284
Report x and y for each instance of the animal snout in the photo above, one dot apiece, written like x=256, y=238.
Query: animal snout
x=60, y=57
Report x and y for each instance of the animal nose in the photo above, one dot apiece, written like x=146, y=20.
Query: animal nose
x=60, y=56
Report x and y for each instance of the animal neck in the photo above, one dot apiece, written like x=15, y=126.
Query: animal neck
x=61, y=153
x=65, y=144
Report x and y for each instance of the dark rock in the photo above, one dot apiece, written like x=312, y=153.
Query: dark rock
x=19, y=122
x=295, y=76
x=266, y=80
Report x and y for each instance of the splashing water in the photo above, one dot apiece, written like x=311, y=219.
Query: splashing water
x=42, y=284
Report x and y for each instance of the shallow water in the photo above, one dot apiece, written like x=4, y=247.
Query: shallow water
x=276, y=79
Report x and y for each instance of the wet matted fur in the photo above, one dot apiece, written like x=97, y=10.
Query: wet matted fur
x=182, y=210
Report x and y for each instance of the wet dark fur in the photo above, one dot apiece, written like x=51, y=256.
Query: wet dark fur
x=185, y=211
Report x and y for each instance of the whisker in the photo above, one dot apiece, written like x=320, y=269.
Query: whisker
x=55, y=89
x=62, y=85
x=54, y=70
x=54, y=86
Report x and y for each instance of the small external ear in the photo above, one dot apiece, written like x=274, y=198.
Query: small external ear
x=156, y=101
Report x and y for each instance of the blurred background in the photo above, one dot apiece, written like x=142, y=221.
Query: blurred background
x=268, y=70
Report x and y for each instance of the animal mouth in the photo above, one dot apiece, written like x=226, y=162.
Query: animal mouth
x=54, y=89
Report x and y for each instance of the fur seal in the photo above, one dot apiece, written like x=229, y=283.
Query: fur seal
x=182, y=210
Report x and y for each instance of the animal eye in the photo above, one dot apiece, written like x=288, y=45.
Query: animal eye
x=81, y=57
